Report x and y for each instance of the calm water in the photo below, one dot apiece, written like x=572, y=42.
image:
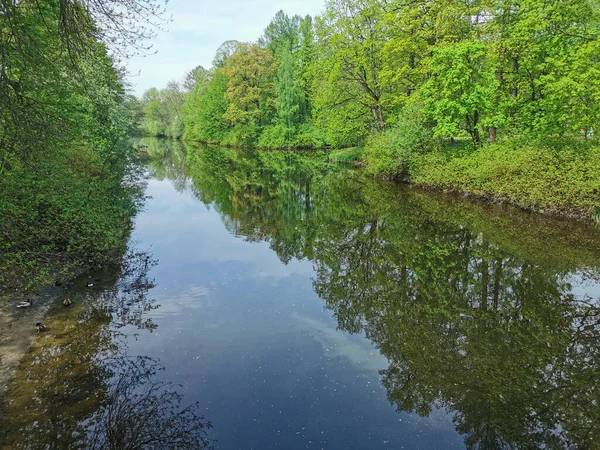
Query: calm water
x=303, y=305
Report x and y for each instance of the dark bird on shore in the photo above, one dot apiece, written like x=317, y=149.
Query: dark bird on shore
x=41, y=327
x=67, y=302
x=25, y=304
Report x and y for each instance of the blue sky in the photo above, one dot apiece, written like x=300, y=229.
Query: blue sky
x=197, y=30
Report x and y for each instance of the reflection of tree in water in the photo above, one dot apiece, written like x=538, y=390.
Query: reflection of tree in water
x=77, y=374
x=128, y=302
x=167, y=160
x=497, y=337
x=473, y=308
x=142, y=413
x=261, y=195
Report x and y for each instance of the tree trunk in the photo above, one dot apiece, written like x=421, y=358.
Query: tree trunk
x=378, y=117
x=491, y=135
x=492, y=131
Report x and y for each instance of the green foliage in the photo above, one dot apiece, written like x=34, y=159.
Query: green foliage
x=163, y=110
x=204, y=110
x=392, y=152
x=458, y=94
x=348, y=94
x=282, y=34
x=68, y=185
x=58, y=220
x=308, y=136
x=255, y=95
x=290, y=97
x=545, y=175
x=275, y=136
x=485, y=71
x=250, y=90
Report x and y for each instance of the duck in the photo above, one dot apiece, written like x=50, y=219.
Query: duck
x=25, y=304
x=67, y=302
x=41, y=327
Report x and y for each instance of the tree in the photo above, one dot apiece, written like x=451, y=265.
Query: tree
x=224, y=52
x=458, y=94
x=197, y=75
x=282, y=34
x=348, y=94
x=305, y=59
x=250, y=89
x=205, y=108
x=290, y=98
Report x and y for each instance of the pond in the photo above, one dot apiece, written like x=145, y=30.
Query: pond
x=299, y=304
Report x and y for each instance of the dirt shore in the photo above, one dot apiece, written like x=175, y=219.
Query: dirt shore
x=17, y=329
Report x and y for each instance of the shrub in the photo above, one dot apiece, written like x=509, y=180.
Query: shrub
x=307, y=136
x=60, y=216
x=242, y=136
x=392, y=152
x=274, y=136
x=550, y=174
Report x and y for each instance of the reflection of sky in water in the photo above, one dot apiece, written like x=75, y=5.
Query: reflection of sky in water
x=249, y=339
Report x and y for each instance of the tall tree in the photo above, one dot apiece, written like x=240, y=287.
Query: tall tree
x=224, y=52
x=458, y=94
x=282, y=33
x=205, y=109
x=250, y=88
x=349, y=95
x=290, y=98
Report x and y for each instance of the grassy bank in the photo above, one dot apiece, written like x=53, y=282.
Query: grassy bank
x=551, y=175
x=62, y=215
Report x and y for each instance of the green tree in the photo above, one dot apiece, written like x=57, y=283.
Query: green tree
x=223, y=53
x=205, y=108
x=458, y=94
x=282, y=34
x=250, y=90
x=348, y=92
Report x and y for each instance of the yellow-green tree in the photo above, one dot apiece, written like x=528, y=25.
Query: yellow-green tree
x=250, y=90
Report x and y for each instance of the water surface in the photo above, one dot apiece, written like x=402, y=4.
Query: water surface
x=304, y=305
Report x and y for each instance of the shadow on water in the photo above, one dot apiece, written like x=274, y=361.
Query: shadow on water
x=78, y=388
x=486, y=311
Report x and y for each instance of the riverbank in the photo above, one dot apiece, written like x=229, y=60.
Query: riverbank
x=553, y=177
x=559, y=177
x=17, y=328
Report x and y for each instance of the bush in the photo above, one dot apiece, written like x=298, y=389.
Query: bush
x=62, y=215
x=392, y=152
x=275, y=136
x=549, y=174
x=242, y=136
x=308, y=136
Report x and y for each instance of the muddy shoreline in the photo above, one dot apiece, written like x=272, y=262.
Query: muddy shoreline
x=17, y=328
